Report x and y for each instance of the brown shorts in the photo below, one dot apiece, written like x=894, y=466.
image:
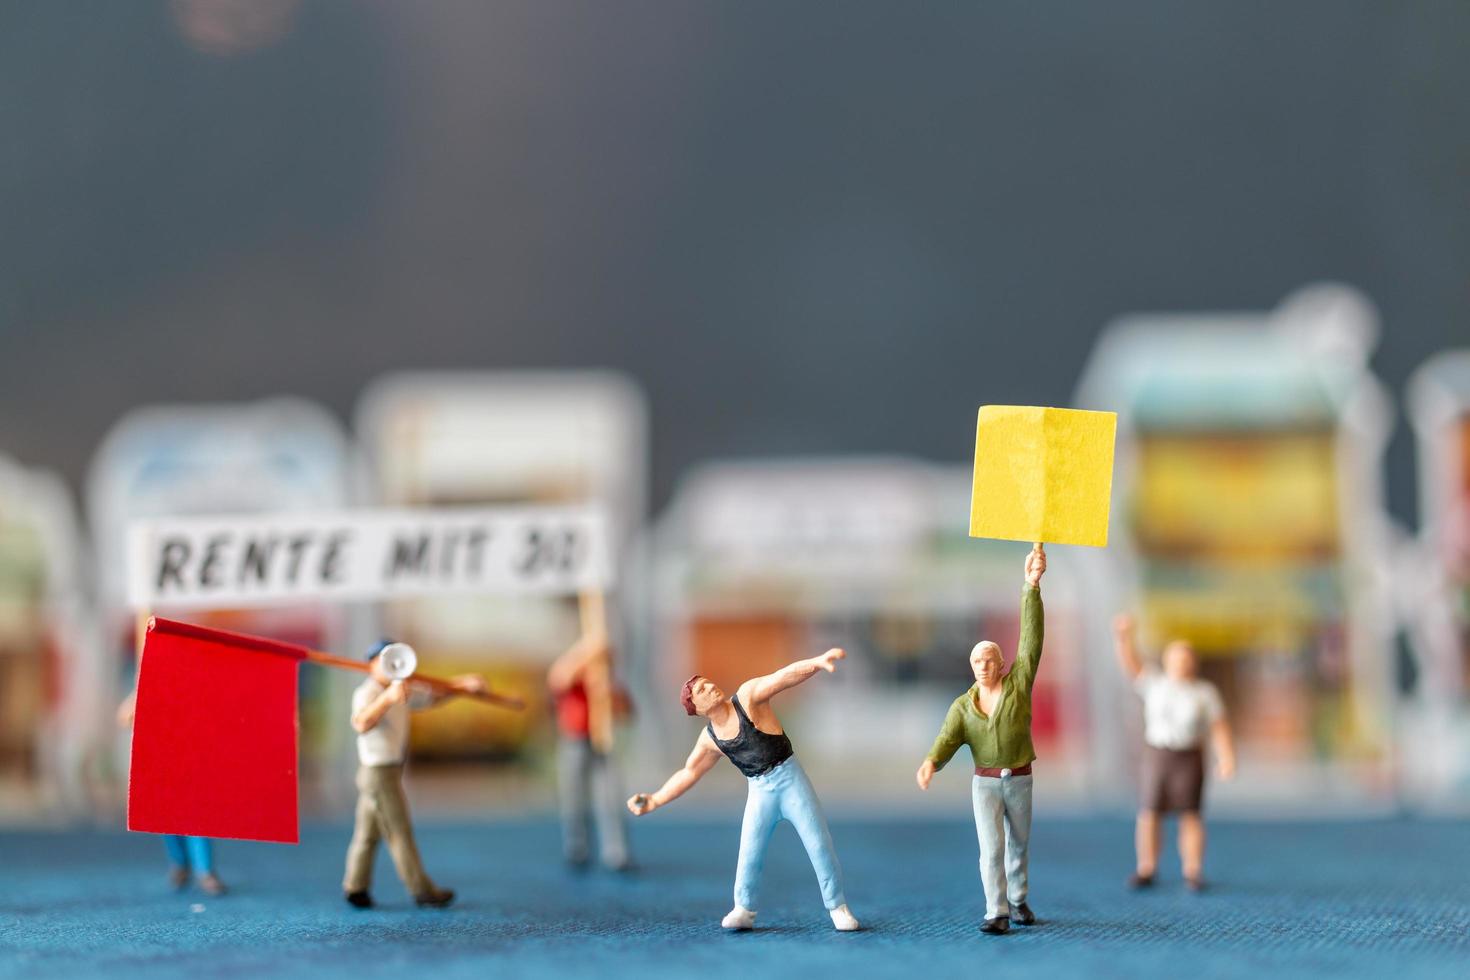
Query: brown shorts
x=1173, y=779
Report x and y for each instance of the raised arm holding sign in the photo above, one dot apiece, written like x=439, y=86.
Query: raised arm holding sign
x=1041, y=474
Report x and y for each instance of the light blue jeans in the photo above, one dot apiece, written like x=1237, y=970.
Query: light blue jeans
x=785, y=793
x=1003, y=823
x=195, y=853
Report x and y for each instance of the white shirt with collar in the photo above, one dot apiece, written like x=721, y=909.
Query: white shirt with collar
x=386, y=743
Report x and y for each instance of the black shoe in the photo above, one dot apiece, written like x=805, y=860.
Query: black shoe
x=435, y=900
x=1022, y=915
x=359, y=900
x=1137, y=881
x=998, y=926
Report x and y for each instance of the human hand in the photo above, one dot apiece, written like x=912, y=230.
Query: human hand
x=641, y=803
x=1226, y=767
x=1035, y=565
x=469, y=684
x=127, y=710
x=828, y=660
x=1122, y=626
x=397, y=693
x=925, y=774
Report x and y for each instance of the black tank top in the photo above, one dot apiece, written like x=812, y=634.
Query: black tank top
x=753, y=751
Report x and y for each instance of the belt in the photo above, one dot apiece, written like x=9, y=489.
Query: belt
x=1002, y=773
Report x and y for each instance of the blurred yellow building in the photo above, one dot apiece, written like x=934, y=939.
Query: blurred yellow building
x=1250, y=521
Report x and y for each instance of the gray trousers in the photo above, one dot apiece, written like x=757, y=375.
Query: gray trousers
x=589, y=788
x=1003, y=824
x=382, y=814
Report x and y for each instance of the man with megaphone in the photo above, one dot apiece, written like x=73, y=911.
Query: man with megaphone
x=380, y=710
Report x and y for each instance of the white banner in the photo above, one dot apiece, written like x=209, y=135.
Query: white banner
x=255, y=559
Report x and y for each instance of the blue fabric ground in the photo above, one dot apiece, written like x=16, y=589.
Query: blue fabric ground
x=1387, y=898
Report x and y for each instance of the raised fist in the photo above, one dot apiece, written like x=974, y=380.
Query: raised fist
x=1035, y=565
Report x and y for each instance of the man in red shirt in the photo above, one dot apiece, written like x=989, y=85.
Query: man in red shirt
x=587, y=775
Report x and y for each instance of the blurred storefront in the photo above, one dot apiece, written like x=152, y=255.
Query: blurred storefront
x=1434, y=585
x=44, y=648
x=275, y=456
x=1249, y=520
x=444, y=439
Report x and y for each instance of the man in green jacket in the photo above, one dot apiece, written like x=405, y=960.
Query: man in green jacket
x=994, y=719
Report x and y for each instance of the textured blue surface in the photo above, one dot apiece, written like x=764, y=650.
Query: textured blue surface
x=1323, y=899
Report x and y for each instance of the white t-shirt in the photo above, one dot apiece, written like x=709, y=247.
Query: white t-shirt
x=1177, y=714
x=386, y=743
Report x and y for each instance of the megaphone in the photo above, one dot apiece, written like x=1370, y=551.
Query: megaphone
x=399, y=661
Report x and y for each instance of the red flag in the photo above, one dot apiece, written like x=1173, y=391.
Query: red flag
x=214, y=735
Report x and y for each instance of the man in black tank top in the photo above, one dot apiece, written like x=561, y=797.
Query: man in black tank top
x=745, y=730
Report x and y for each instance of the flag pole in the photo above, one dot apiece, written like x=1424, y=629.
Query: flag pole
x=593, y=608
x=436, y=684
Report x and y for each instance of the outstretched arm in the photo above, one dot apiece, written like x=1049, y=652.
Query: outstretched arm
x=421, y=696
x=1124, y=644
x=760, y=689
x=700, y=761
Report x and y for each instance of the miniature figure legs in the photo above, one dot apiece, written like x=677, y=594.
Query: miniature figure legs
x=1003, y=824
x=1192, y=845
x=589, y=789
x=1147, y=838
x=193, y=853
x=382, y=812
x=785, y=793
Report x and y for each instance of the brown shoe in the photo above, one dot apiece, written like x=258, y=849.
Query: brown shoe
x=178, y=878
x=1195, y=884
x=211, y=884
x=1137, y=881
x=436, y=899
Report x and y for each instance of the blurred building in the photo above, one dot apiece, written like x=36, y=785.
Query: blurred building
x=1248, y=518
x=444, y=439
x=44, y=647
x=274, y=456
x=1434, y=580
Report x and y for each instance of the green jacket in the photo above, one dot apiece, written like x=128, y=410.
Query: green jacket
x=1004, y=741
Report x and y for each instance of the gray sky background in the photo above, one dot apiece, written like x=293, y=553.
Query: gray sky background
x=806, y=227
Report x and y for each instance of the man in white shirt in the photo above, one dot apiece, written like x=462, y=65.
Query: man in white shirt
x=380, y=710
x=1181, y=712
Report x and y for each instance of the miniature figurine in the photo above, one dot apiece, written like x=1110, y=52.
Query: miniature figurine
x=1180, y=710
x=745, y=729
x=994, y=719
x=380, y=715
x=587, y=777
x=188, y=856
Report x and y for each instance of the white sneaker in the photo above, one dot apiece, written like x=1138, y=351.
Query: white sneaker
x=843, y=921
x=740, y=918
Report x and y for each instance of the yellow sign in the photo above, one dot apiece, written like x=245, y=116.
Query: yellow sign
x=1042, y=474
